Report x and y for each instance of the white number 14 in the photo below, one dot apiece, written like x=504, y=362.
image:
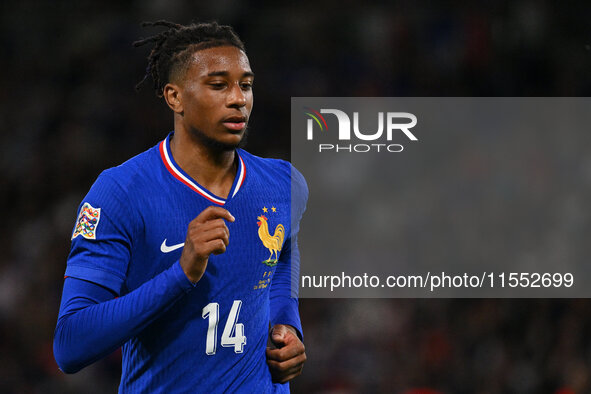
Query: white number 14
x=233, y=334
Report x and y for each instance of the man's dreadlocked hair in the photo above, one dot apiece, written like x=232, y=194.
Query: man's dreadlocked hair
x=173, y=48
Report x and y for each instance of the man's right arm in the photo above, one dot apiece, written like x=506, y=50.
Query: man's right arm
x=93, y=323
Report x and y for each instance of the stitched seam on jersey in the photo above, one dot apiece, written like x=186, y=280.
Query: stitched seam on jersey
x=127, y=207
x=94, y=268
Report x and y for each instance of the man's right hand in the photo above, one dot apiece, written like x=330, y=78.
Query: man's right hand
x=207, y=234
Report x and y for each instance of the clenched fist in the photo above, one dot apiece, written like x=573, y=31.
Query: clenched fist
x=286, y=353
x=206, y=234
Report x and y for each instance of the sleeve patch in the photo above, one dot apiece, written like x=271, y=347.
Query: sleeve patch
x=87, y=222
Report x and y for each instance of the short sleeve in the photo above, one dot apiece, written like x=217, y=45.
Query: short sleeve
x=102, y=235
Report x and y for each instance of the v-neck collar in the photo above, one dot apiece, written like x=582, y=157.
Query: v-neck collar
x=177, y=172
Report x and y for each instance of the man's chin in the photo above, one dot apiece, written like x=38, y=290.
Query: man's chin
x=243, y=139
x=238, y=142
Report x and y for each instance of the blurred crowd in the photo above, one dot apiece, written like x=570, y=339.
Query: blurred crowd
x=69, y=110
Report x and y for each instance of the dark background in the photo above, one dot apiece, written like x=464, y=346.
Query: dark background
x=69, y=110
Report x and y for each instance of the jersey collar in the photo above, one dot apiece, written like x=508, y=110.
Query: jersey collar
x=177, y=172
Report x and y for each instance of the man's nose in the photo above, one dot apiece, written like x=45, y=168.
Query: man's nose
x=237, y=96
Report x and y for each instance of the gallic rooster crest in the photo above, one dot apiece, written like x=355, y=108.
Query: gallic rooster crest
x=272, y=242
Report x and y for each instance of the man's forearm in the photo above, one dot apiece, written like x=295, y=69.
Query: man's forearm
x=92, y=322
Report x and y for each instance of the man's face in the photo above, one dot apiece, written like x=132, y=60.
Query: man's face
x=216, y=93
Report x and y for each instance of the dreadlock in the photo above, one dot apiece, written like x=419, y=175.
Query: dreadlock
x=173, y=48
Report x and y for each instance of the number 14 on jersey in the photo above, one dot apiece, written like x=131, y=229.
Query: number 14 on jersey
x=233, y=334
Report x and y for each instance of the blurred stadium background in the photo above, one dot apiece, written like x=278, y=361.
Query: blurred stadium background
x=69, y=110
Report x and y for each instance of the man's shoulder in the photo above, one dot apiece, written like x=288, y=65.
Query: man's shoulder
x=263, y=161
x=134, y=171
x=277, y=168
x=277, y=171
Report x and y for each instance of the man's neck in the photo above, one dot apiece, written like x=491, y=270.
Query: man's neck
x=214, y=169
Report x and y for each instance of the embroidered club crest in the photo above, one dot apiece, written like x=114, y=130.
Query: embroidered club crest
x=272, y=242
x=87, y=222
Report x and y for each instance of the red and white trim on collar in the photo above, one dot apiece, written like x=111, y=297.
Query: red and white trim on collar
x=180, y=175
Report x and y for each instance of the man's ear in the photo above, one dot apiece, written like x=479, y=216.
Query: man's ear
x=172, y=95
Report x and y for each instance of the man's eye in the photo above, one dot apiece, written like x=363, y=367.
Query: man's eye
x=246, y=86
x=217, y=85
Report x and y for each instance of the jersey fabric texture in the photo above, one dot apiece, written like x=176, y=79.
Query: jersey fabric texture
x=176, y=336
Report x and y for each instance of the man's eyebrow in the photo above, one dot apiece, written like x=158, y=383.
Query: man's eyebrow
x=225, y=73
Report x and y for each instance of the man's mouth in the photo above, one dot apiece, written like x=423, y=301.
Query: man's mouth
x=235, y=123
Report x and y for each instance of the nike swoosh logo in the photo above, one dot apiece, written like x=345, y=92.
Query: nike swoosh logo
x=166, y=249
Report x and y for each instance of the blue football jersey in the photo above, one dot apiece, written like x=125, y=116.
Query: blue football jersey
x=132, y=225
